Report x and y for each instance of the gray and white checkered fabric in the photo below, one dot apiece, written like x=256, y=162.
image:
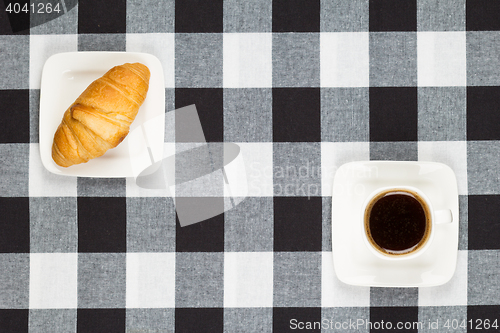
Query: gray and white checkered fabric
x=303, y=85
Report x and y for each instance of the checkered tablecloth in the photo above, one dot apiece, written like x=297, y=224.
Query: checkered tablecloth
x=303, y=85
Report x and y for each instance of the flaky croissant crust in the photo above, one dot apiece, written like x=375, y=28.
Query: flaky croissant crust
x=101, y=117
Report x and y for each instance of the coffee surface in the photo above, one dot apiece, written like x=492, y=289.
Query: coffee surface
x=397, y=222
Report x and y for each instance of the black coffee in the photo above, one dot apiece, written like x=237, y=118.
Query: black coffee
x=398, y=223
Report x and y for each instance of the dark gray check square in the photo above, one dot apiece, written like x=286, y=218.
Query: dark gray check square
x=102, y=42
x=150, y=225
x=53, y=225
x=442, y=113
x=297, y=169
x=14, y=163
x=393, y=15
x=150, y=320
x=66, y=23
x=5, y=27
x=14, y=57
x=394, y=151
x=199, y=280
x=249, y=226
x=101, y=280
x=198, y=60
x=483, y=174
x=442, y=318
x=297, y=279
x=101, y=187
x=341, y=16
x=345, y=319
x=248, y=16
x=148, y=16
x=345, y=114
x=296, y=60
x=251, y=107
x=248, y=320
x=483, y=210
x=95, y=17
x=393, y=296
x=102, y=224
x=14, y=320
x=483, y=286
x=52, y=320
x=482, y=15
x=441, y=15
x=483, y=69
x=393, y=59
x=14, y=280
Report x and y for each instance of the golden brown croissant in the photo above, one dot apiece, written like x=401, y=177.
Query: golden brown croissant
x=101, y=117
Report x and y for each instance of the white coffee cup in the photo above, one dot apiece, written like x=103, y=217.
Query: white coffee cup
x=399, y=222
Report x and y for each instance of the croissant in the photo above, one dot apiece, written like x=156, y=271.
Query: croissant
x=101, y=117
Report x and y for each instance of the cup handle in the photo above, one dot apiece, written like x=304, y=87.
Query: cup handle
x=443, y=216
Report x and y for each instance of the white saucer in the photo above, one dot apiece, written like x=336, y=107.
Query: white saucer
x=353, y=261
x=65, y=76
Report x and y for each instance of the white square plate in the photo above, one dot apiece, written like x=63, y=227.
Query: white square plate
x=65, y=76
x=354, y=263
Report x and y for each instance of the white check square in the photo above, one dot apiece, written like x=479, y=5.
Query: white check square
x=334, y=154
x=247, y=60
x=248, y=279
x=150, y=280
x=53, y=280
x=344, y=59
x=44, y=46
x=441, y=59
x=337, y=294
x=258, y=159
